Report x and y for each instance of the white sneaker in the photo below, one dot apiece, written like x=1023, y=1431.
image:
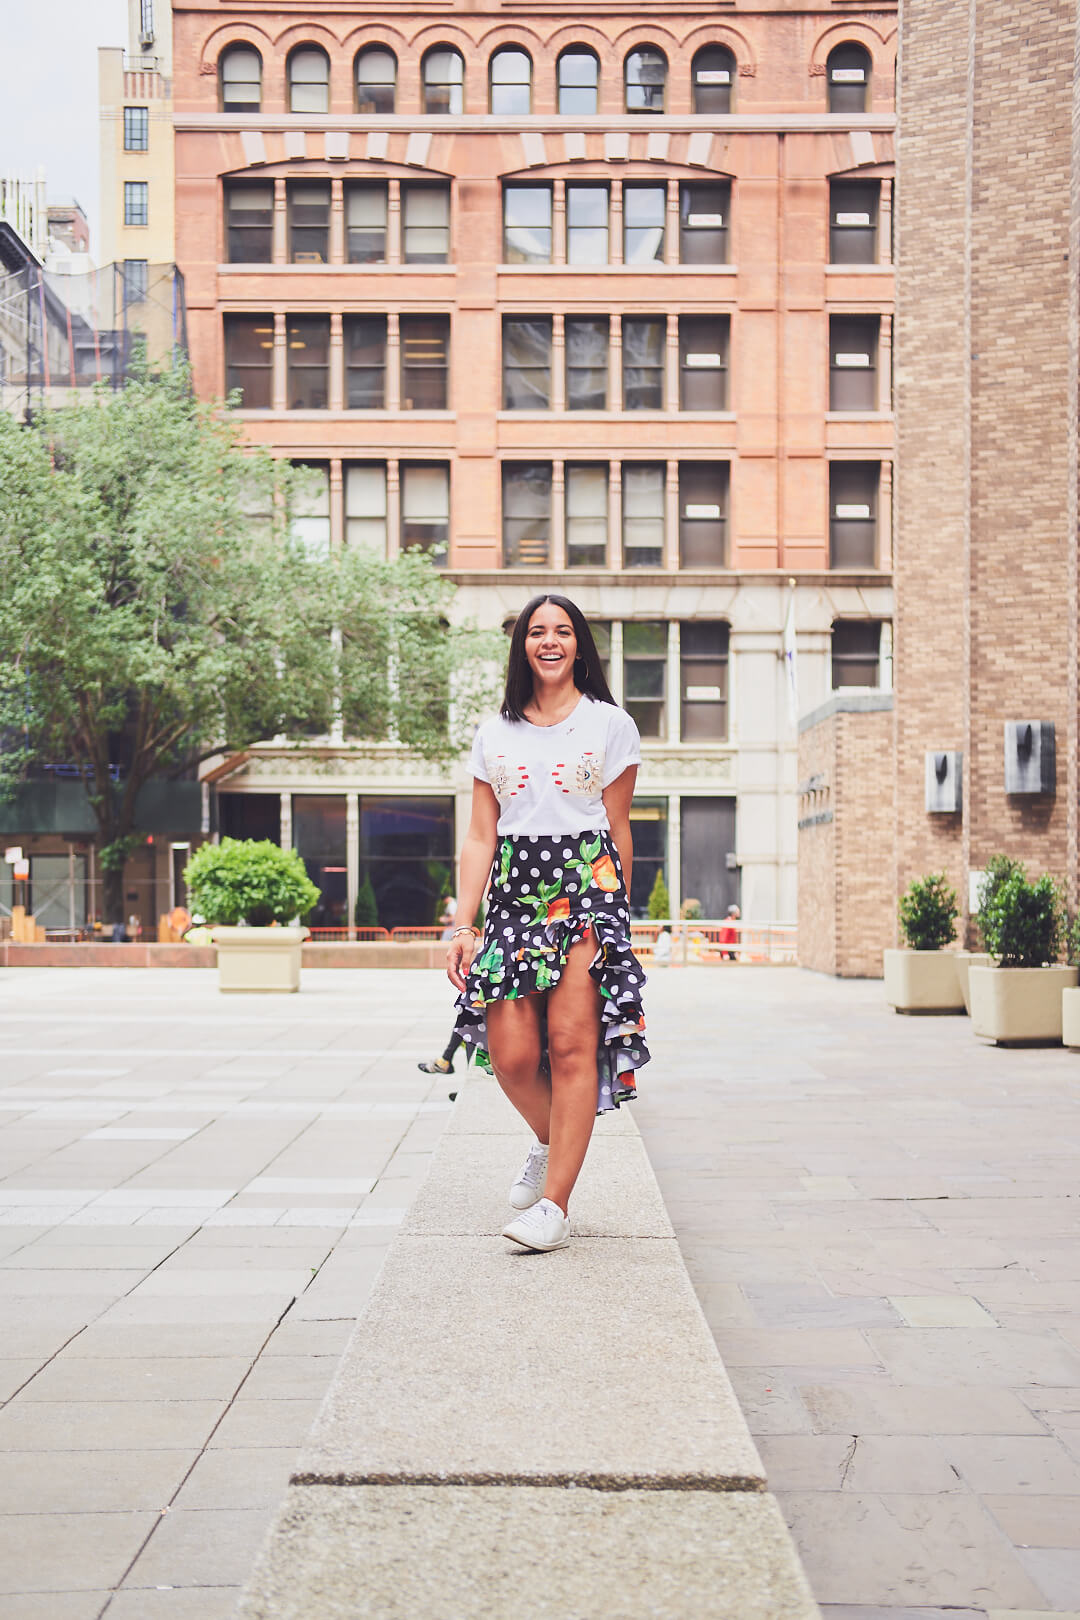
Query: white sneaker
x=528, y=1189
x=543, y=1227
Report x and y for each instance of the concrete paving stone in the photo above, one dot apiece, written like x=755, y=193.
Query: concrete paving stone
x=94, y=1283
x=273, y=1423
x=264, y=1309
x=1011, y=1464
x=814, y=1347
x=83, y=1258
x=68, y=1552
x=284, y=1377
x=974, y=1356
x=40, y=1334
x=91, y=1481
x=54, y=1605
x=174, y=1603
x=901, y=1549
x=406, y=1402
x=769, y=1401
x=183, y=1340
x=230, y=1282
x=917, y=1410
x=941, y=1310
x=859, y=1611
x=252, y=1257
x=128, y=1378
x=466, y=1193
x=295, y=1338
x=238, y=1478
x=202, y=1547
x=816, y=1307
x=1037, y=1521
x=106, y=1426
x=1056, y=1572
x=884, y=1464
x=596, y=1555
x=14, y=1374
x=1032, y=1614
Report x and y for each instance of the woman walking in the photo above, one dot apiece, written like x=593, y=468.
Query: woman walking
x=550, y=998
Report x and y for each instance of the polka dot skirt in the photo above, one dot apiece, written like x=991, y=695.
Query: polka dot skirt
x=545, y=894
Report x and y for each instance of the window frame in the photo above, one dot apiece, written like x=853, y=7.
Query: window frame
x=136, y=193
x=541, y=520
x=850, y=232
x=545, y=324
x=296, y=371
x=634, y=703
x=295, y=192
x=411, y=192
x=351, y=326
x=691, y=539
x=574, y=487
x=236, y=49
x=729, y=65
x=234, y=229
x=852, y=658
x=429, y=86
x=840, y=92
x=352, y=539
x=641, y=85
x=375, y=48
x=838, y=351
x=658, y=372
x=514, y=189
x=694, y=239
x=136, y=281
x=632, y=550
x=693, y=709
x=232, y=323
x=576, y=368
x=578, y=190
x=635, y=188
x=720, y=325
x=414, y=372
x=510, y=48
x=862, y=533
x=136, y=131
x=293, y=84
x=362, y=189
x=407, y=470
x=578, y=52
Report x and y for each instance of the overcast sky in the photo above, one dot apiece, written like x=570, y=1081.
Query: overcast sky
x=48, y=110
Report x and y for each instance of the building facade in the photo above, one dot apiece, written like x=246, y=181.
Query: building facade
x=576, y=301
x=136, y=143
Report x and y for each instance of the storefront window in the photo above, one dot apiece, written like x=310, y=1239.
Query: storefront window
x=648, y=823
x=319, y=836
x=407, y=852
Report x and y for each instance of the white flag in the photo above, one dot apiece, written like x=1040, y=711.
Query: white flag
x=791, y=660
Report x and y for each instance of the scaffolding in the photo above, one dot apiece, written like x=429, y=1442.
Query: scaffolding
x=59, y=333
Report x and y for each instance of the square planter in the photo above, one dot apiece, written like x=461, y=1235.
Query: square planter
x=1070, y=1019
x=1014, y=1006
x=922, y=982
x=965, y=960
x=257, y=961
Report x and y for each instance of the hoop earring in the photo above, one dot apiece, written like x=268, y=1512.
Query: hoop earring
x=581, y=660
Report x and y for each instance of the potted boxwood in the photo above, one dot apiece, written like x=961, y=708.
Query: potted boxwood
x=1070, y=998
x=921, y=978
x=1017, y=999
x=253, y=895
x=996, y=870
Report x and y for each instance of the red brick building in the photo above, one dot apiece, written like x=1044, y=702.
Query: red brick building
x=575, y=298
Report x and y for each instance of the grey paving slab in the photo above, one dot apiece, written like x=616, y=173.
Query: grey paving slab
x=238, y=1477
x=88, y=1481
x=273, y=1423
x=63, y=1552
x=106, y=1425
x=54, y=1605
x=407, y=1403
x=467, y=1191
x=165, y=1378
x=202, y=1547
x=181, y=1603
x=399, y=1552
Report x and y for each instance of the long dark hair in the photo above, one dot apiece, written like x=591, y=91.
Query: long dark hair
x=588, y=676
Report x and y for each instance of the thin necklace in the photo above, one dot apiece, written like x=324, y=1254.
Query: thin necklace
x=545, y=725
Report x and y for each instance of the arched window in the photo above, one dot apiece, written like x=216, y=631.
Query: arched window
x=578, y=74
x=309, y=80
x=376, y=76
x=646, y=78
x=714, y=79
x=240, y=79
x=444, y=80
x=848, y=76
x=511, y=82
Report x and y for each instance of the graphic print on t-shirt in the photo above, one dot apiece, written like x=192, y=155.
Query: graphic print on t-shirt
x=584, y=776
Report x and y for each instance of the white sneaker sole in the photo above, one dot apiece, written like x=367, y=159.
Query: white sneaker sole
x=531, y=1243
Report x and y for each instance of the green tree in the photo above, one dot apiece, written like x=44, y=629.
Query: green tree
x=366, y=910
x=242, y=880
x=928, y=913
x=659, y=899
x=157, y=608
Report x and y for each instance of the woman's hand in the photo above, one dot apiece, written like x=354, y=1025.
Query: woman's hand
x=459, y=955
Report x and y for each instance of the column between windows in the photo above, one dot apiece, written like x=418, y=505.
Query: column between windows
x=558, y=516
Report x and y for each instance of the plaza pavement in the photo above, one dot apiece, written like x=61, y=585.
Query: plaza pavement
x=880, y=1216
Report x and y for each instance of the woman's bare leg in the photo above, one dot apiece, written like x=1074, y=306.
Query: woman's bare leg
x=573, y=1032
x=513, y=1032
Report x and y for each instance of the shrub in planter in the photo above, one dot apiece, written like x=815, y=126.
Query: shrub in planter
x=923, y=977
x=1022, y=922
x=659, y=899
x=998, y=869
x=1020, y=998
x=928, y=913
x=244, y=881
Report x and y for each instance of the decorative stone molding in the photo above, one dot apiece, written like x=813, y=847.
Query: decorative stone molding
x=817, y=70
x=673, y=766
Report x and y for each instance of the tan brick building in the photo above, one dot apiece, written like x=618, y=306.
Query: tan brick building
x=584, y=299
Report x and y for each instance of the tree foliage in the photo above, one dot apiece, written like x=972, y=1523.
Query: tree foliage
x=1024, y=921
x=997, y=870
x=928, y=913
x=242, y=880
x=659, y=899
x=158, y=607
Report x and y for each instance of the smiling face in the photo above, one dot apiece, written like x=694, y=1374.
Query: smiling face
x=550, y=647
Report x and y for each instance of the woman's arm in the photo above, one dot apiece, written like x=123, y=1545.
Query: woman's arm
x=477, y=854
x=617, y=797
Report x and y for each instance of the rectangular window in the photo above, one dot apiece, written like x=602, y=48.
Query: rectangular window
x=309, y=221
x=853, y=503
x=704, y=208
x=649, y=825
x=527, y=225
x=407, y=851
x=703, y=362
x=425, y=509
x=526, y=514
x=320, y=837
x=587, y=363
x=425, y=362
x=856, y=653
x=707, y=838
x=644, y=216
x=586, y=515
x=249, y=359
x=645, y=675
x=136, y=202
x=309, y=520
x=136, y=129
x=601, y=631
x=853, y=345
x=365, y=362
x=586, y=225
x=853, y=221
x=136, y=280
x=643, y=485
x=249, y=222
x=425, y=224
x=644, y=341
x=703, y=496
x=307, y=339
x=365, y=506
x=365, y=223
x=704, y=659
x=527, y=364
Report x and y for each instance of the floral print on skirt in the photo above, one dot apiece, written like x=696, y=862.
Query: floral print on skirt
x=545, y=894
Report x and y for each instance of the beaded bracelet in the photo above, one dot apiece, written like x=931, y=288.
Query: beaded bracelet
x=466, y=928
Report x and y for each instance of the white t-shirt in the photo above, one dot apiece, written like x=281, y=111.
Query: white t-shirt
x=549, y=779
